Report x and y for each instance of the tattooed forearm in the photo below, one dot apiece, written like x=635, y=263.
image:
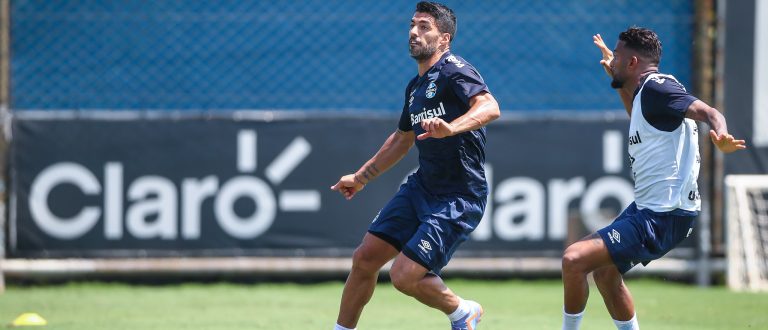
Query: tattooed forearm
x=359, y=181
x=370, y=172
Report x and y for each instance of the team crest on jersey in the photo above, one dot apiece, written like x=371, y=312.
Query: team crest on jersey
x=431, y=90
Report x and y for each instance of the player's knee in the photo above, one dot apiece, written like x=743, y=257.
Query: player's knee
x=606, y=276
x=572, y=260
x=366, y=260
x=401, y=282
x=600, y=275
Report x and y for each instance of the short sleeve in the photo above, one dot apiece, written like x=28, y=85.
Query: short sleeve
x=664, y=102
x=405, y=118
x=466, y=81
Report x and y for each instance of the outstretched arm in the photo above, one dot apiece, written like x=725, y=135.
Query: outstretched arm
x=483, y=109
x=718, y=133
x=391, y=152
x=626, y=98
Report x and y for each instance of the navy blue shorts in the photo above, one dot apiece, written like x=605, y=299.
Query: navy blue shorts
x=640, y=236
x=427, y=228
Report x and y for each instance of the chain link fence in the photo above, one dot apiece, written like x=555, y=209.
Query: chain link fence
x=316, y=55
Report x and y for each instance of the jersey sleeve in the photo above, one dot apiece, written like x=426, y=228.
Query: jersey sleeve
x=465, y=81
x=664, y=102
x=405, y=118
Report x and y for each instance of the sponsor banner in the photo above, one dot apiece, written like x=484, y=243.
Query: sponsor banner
x=226, y=187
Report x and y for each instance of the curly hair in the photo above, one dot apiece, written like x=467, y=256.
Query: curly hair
x=643, y=41
x=445, y=19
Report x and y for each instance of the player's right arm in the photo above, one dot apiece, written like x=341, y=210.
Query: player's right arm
x=391, y=152
x=626, y=98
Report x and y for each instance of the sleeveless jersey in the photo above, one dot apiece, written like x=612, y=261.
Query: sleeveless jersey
x=663, y=147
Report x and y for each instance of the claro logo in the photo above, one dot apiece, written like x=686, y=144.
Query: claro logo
x=154, y=202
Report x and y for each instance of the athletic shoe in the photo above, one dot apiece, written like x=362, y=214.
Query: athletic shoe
x=470, y=321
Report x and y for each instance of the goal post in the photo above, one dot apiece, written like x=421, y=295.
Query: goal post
x=747, y=225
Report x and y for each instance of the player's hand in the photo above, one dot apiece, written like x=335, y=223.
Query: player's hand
x=348, y=186
x=607, y=54
x=435, y=128
x=726, y=142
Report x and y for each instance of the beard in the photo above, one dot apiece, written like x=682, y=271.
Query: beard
x=424, y=52
x=618, y=81
x=616, y=84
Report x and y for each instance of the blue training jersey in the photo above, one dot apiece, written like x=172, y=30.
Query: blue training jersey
x=451, y=165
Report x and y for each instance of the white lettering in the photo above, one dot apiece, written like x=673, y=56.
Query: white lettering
x=612, y=151
x=51, y=177
x=454, y=60
x=194, y=192
x=246, y=151
x=484, y=232
x=426, y=114
x=521, y=216
x=113, y=201
x=154, y=195
x=561, y=193
x=603, y=188
x=287, y=160
x=152, y=210
x=256, y=224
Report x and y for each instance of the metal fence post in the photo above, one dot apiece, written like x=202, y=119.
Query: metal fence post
x=704, y=78
x=4, y=116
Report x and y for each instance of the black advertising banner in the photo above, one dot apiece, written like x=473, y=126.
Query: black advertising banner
x=193, y=187
x=745, y=83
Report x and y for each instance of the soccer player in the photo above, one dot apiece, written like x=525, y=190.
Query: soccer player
x=446, y=108
x=664, y=157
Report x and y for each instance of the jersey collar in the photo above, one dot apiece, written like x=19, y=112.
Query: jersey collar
x=643, y=78
x=435, y=68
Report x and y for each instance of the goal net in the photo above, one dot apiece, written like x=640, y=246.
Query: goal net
x=747, y=221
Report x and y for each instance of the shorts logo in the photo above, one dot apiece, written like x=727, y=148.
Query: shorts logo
x=425, y=246
x=690, y=230
x=431, y=90
x=614, y=236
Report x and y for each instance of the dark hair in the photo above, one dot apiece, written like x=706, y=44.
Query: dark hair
x=643, y=41
x=445, y=19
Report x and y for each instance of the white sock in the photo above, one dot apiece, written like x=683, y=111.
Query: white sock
x=338, y=327
x=572, y=321
x=460, y=311
x=627, y=325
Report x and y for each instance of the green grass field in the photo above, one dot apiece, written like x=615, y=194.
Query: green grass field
x=508, y=305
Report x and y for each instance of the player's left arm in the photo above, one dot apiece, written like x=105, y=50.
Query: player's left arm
x=483, y=109
x=718, y=133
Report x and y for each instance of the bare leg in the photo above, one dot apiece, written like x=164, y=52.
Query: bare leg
x=616, y=295
x=412, y=279
x=579, y=260
x=368, y=259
